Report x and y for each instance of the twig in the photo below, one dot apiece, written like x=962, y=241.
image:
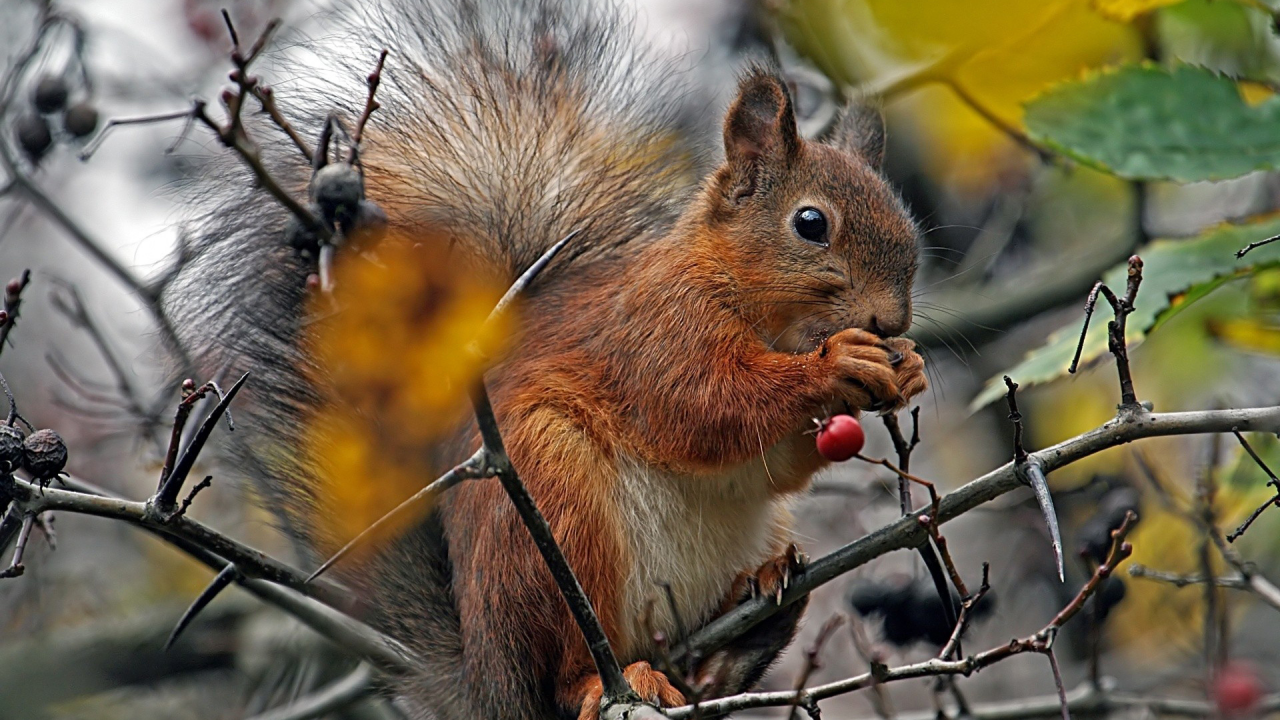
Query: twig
x=813, y=661
x=87, y=499
x=1274, y=482
x=191, y=496
x=929, y=551
x=908, y=532
x=12, y=304
x=1040, y=642
x=1236, y=582
x=16, y=567
x=1256, y=244
x=966, y=609
x=616, y=690
x=1034, y=474
x=267, y=97
x=167, y=495
x=370, y=106
x=321, y=607
x=76, y=312
x=92, y=146
x=233, y=136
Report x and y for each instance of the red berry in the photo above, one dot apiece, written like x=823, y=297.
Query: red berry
x=1237, y=690
x=841, y=438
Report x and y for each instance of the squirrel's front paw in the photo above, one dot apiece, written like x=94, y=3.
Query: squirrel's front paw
x=866, y=368
x=651, y=685
x=909, y=365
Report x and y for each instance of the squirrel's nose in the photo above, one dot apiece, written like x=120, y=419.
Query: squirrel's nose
x=890, y=325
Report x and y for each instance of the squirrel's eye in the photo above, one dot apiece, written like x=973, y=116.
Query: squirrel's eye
x=811, y=225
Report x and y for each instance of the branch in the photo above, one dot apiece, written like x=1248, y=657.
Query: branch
x=86, y=499
x=1040, y=642
x=908, y=532
x=617, y=691
x=320, y=609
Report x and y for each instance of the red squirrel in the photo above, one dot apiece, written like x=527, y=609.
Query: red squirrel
x=660, y=388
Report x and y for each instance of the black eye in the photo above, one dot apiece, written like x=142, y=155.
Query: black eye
x=811, y=225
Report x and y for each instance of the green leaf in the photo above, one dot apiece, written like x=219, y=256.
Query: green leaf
x=1144, y=122
x=1175, y=274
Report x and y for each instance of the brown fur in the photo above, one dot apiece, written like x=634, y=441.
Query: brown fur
x=692, y=353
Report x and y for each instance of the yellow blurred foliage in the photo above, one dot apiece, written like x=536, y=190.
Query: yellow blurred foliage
x=1156, y=614
x=1127, y=10
x=1248, y=334
x=973, y=58
x=394, y=365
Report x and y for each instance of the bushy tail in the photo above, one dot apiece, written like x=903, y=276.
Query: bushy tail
x=506, y=125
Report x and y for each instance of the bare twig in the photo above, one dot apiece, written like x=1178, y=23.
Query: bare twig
x=1256, y=244
x=12, y=304
x=370, y=106
x=72, y=306
x=16, y=567
x=813, y=661
x=1040, y=642
x=1224, y=581
x=1034, y=474
x=166, y=496
x=616, y=689
x=92, y=146
x=266, y=96
x=1273, y=482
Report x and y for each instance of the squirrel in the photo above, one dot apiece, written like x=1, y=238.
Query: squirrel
x=667, y=366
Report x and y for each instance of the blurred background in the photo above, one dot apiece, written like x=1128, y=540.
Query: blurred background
x=1016, y=233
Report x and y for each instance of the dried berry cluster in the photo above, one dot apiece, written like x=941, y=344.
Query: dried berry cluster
x=33, y=129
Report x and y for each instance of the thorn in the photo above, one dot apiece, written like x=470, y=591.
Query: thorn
x=1034, y=475
x=219, y=583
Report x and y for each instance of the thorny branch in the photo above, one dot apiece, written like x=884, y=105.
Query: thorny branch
x=909, y=532
x=1039, y=642
x=1034, y=474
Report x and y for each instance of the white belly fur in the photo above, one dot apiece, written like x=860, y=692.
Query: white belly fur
x=694, y=533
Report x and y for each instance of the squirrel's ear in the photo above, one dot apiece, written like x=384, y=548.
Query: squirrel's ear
x=860, y=131
x=759, y=130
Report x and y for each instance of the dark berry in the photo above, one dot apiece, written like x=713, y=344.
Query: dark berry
x=304, y=241
x=32, y=132
x=371, y=222
x=50, y=94
x=46, y=454
x=81, y=119
x=12, y=452
x=338, y=190
x=1095, y=533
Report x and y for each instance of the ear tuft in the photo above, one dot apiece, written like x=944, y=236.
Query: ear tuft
x=860, y=131
x=759, y=130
